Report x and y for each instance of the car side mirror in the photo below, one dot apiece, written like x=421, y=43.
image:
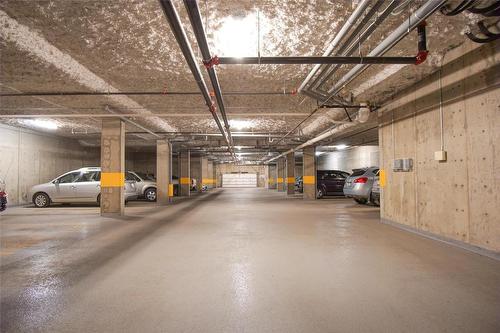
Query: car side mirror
x=56, y=181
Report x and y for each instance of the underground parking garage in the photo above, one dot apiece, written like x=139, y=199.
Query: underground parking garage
x=249, y=166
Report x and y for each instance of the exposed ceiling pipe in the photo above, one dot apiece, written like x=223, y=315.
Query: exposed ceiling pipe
x=199, y=32
x=340, y=35
x=339, y=51
x=313, y=60
x=403, y=30
x=361, y=117
x=325, y=76
x=131, y=93
x=180, y=35
x=132, y=122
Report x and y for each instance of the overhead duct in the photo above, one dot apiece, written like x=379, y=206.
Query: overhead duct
x=362, y=116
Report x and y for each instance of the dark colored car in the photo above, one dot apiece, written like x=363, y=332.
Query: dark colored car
x=330, y=182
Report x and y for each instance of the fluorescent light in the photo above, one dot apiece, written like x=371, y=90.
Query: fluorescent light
x=42, y=123
x=237, y=36
x=319, y=153
x=340, y=147
x=240, y=124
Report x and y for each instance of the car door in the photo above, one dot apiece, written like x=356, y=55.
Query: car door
x=65, y=190
x=139, y=184
x=87, y=186
x=339, y=181
x=330, y=182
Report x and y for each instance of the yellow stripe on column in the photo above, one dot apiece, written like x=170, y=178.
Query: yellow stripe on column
x=271, y=181
x=280, y=180
x=185, y=181
x=170, y=190
x=309, y=180
x=382, y=178
x=290, y=180
x=112, y=179
x=207, y=181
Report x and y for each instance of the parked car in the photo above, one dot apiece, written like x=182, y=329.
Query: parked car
x=330, y=182
x=77, y=186
x=359, y=184
x=145, y=184
x=375, y=196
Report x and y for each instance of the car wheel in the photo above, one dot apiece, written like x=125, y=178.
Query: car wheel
x=319, y=193
x=361, y=201
x=150, y=194
x=99, y=200
x=41, y=200
x=374, y=201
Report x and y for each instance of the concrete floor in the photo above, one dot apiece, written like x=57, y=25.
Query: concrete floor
x=237, y=261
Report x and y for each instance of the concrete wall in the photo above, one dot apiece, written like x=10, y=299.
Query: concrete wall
x=457, y=199
x=28, y=158
x=350, y=158
x=260, y=170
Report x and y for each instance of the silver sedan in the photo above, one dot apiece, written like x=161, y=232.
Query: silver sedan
x=359, y=184
x=77, y=186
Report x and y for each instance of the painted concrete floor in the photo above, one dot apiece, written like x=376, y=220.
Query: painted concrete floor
x=237, y=261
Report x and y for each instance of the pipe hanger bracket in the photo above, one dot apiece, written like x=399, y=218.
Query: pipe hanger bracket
x=212, y=62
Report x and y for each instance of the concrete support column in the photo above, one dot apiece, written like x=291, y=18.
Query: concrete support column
x=185, y=173
x=290, y=174
x=309, y=173
x=216, y=181
x=205, y=179
x=164, y=186
x=210, y=174
x=196, y=172
x=271, y=175
x=281, y=175
x=112, y=200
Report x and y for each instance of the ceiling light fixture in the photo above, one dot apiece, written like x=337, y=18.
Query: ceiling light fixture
x=238, y=37
x=240, y=124
x=42, y=123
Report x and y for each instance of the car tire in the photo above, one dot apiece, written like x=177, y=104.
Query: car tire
x=319, y=194
x=150, y=194
x=99, y=200
x=361, y=201
x=41, y=200
x=374, y=201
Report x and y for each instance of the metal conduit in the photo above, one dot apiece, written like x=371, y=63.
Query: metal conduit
x=314, y=60
x=349, y=49
x=372, y=12
x=342, y=33
x=403, y=30
x=180, y=35
x=199, y=32
x=130, y=93
x=414, y=20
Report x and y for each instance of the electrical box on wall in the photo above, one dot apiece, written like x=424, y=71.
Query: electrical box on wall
x=402, y=165
x=440, y=155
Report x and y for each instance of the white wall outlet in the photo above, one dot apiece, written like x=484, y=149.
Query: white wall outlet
x=440, y=155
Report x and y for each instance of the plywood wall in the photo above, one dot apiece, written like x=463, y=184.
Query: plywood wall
x=459, y=198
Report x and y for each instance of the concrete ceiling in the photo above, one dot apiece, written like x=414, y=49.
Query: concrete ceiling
x=122, y=45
